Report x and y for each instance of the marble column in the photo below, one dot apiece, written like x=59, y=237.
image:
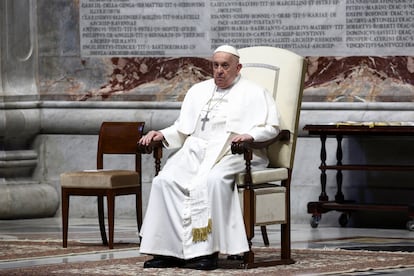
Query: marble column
x=21, y=196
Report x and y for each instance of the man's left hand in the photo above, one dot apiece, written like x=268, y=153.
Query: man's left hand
x=242, y=138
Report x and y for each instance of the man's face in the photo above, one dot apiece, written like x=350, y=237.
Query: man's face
x=226, y=67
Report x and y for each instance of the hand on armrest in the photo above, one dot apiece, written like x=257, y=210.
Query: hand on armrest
x=241, y=147
x=146, y=149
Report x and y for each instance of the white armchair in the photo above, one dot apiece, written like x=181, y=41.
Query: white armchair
x=265, y=194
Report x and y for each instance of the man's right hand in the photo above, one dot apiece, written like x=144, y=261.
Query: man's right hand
x=152, y=135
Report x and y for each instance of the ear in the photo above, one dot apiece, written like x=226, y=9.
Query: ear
x=239, y=67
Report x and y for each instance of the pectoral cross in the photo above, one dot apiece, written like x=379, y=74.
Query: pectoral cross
x=205, y=119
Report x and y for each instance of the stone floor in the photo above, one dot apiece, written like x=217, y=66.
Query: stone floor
x=303, y=236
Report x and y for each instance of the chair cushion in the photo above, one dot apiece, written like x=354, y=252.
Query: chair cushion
x=264, y=176
x=100, y=179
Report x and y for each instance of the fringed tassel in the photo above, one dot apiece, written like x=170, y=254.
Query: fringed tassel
x=201, y=234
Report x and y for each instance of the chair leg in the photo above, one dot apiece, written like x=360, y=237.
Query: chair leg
x=110, y=197
x=286, y=228
x=249, y=217
x=248, y=259
x=138, y=210
x=101, y=217
x=285, y=241
x=65, y=217
x=264, y=235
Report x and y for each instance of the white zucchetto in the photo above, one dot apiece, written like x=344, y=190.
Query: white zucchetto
x=228, y=49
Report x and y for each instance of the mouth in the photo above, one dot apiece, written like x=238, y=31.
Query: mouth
x=220, y=82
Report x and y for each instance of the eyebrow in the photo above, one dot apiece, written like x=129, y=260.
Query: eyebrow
x=221, y=63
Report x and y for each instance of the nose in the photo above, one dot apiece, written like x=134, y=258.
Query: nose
x=220, y=69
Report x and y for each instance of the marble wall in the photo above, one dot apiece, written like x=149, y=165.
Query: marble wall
x=328, y=79
x=360, y=79
x=53, y=101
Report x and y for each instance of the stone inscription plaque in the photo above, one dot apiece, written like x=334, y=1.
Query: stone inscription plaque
x=143, y=28
x=194, y=27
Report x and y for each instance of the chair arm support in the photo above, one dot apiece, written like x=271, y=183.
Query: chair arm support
x=154, y=147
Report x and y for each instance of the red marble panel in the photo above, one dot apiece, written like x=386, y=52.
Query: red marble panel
x=153, y=79
x=359, y=78
x=328, y=79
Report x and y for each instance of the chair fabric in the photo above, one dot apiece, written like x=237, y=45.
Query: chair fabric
x=270, y=205
x=108, y=179
x=263, y=176
x=281, y=72
x=114, y=138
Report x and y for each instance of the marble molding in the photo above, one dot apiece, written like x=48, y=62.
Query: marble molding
x=328, y=79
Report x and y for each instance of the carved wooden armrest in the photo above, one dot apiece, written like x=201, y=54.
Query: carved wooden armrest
x=246, y=148
x=243, y=147
x=155, y=147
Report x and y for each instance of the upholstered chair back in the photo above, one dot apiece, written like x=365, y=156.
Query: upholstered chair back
x=282, y=73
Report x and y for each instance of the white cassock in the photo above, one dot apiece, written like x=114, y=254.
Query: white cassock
x=193, y=208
